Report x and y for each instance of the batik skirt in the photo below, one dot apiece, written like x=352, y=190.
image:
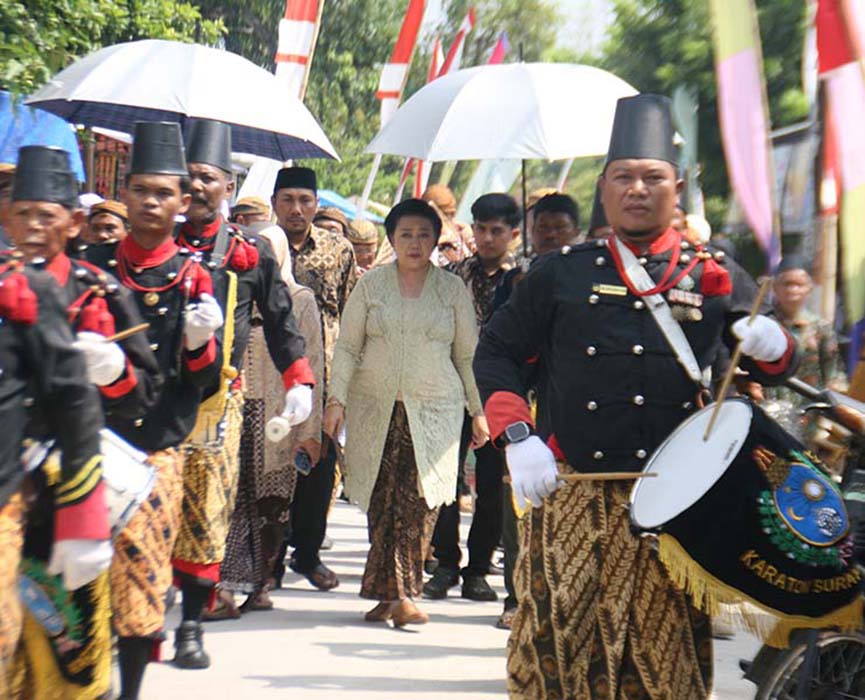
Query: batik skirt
x=400, y=523
x=598, y=616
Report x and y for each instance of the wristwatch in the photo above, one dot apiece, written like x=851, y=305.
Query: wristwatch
x=516, y=432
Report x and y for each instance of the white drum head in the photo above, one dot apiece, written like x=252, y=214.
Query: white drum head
x=688, y=467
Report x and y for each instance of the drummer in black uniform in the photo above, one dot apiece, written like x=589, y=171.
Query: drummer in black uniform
x=174, y=294
x=42, y=374
x=244, y=271
x=43, y=217
x=598, y=614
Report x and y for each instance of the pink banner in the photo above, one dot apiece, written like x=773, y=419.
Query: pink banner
x=745, y=132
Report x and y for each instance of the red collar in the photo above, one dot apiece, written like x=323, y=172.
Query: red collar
x=59, y=268
x=204, y=237
x=668, y=239
x=142, y=257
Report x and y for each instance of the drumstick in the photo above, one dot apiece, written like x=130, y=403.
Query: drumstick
x=734, y=361
x=128, y=333
x=598, y=476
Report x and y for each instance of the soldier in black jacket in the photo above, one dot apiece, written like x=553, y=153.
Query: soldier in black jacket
x=43, y=375
x=43, y=217
x=245, y=273
x=174, y=294
x=597, y=611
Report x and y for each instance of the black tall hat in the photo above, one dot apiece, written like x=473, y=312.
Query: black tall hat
x=302, y=178
x=643, y=128
x=44, y=175
x=209, y=142
x=157, y=149
x=599, y=216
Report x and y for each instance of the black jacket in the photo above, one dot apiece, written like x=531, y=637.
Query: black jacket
x=609, y=386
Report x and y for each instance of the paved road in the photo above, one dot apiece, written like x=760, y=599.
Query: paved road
x=316, y=646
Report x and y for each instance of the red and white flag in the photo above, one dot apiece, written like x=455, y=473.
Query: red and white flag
x=395, y=71
x=455, y=53
x=298, y=31
x=840, y=50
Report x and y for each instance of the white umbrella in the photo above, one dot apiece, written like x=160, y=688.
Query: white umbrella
x=172, y=81
x=516, y=110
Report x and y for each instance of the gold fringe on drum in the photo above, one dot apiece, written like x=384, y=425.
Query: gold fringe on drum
x=141, y=567
x=209, y=489
x=771, y=626
x=11, y=542
x=85, y=672
x=598, y=616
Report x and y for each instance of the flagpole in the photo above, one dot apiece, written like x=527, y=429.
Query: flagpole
x=312, y=50
x=563, y=174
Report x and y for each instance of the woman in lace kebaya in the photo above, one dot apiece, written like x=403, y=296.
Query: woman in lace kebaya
x=401, y=379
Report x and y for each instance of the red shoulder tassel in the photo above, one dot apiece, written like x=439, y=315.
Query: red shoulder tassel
x=716, y=280
x=18, y=302
x=244, y=257
x=201, y=282
x=96, y=317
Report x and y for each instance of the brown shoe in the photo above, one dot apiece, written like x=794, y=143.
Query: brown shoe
x=506, y=620
x=380, y=613
x=405, y=612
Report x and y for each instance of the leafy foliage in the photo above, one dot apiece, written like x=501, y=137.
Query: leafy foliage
x=40, y=37
x=657, y=45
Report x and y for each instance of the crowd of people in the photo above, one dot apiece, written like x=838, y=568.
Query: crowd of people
x=253, y=365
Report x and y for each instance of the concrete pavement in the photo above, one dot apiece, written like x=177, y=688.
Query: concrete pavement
x=316, y=646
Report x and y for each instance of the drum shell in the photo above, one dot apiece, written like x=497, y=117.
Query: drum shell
x=724, y=533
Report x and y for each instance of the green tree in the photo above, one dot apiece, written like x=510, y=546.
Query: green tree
x=40, y=37
x=657, y=45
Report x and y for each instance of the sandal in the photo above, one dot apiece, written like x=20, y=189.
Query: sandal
x=223, y=608
x=257, y=602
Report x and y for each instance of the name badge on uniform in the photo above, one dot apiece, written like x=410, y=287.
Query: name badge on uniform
x=610, y=289
x=680, y=296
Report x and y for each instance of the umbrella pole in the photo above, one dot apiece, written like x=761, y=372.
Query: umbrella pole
x=525, y=212
x=89, y=159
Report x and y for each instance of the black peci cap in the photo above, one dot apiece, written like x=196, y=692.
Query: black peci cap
x=302, y=178
x=157, y=149
x=643, y=128
x=44, y=175
x=209, y=142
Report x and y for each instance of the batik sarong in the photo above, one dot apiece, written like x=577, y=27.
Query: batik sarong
x=598, y=616
x=400, y=523
x=141, y=567
x=11, y=543
x=210, y=476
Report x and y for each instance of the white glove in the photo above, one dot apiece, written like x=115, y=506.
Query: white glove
x=201, y=320
x=105, y=361
x=80, y=561
x=763, y=339
x=298, y=404
x=533, y=470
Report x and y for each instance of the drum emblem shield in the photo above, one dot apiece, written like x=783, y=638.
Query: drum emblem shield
x=802, y=513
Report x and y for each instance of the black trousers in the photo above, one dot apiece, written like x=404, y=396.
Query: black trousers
x=309, y=509
x=486, y=528
x=511, y=544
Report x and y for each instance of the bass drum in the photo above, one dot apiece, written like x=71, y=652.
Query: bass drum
x=749, y=516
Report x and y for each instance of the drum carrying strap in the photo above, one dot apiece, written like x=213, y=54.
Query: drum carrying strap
x=656, y=303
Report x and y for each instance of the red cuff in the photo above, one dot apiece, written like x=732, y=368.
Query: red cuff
x=504, y=408
x=204, y=573
x=780, y=365
x=85, y=520
x=122, y=386
x=555, y=448
x=298, y=373
x=197, y=360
